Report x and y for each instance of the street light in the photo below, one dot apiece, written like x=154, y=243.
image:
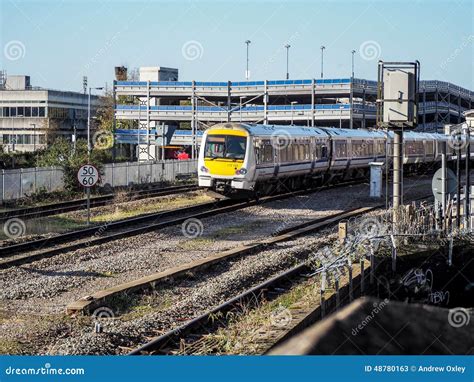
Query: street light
x=247, y=73
x=322, y=59
x=292, y=107
x=287, y=46
x=353, y=52
x=89, y=122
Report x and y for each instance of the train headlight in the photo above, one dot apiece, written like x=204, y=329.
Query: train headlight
x=242, y=171
x=204, y=169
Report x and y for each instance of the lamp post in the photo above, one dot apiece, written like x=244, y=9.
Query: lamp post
x=287, y=46
x=247, y=73
x=292, y=107
x=89, y=122
x=322, y=59
x=353, y=52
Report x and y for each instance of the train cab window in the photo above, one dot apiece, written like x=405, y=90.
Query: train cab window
x=225, y=146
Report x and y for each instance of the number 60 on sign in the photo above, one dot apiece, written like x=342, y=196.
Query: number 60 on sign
x=88, y=175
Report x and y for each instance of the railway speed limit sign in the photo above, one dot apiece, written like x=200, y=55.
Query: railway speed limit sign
x=88, y=175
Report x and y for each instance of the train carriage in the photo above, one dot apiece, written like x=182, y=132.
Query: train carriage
x=244, y=160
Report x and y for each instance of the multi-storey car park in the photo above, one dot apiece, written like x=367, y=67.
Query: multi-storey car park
x=343, y=102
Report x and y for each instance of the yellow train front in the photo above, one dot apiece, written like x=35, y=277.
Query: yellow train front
x=226, y=160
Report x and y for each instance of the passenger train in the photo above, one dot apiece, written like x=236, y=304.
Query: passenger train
x=247, y=160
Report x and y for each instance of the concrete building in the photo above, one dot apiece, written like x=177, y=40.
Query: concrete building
x=343, y=102
x=32, y=116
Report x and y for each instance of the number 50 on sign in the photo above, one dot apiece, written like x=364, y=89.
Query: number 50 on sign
x=88, y=175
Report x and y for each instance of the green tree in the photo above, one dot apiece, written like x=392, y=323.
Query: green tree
x=61, y=153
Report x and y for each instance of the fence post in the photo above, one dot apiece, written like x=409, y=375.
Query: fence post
x=351, y=286
x=139, y=180
x=113, y=174
x=21, y=183
x=3, y=186
x=126, y=172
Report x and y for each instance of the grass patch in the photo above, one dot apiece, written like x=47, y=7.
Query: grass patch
x=197, y=243
x=135, y=208
x=243, y=327
x=235, y=230
x=8, y=346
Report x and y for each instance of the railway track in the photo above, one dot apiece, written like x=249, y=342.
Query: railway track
x=190, y=338
x=98, y=201
x=193, y=336
x=30, y=251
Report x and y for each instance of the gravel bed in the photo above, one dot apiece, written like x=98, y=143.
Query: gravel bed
x=48, y=285
x=190, y=298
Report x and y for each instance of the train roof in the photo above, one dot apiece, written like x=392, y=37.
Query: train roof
x=261, y=130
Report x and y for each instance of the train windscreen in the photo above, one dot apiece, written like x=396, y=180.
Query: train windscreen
x=225, y=146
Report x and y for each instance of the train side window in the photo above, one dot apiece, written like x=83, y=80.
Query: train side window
x=268, y=153
x=341, y=149
x=370, y=149
x=301, y=153
x=324, y=151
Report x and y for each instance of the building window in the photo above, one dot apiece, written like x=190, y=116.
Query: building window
x=41, y=112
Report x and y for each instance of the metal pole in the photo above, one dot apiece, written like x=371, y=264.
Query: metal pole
x=443, y=181
x=458, y=186
x=148, y=121
x=114, y=123
x=322, y=59
x=247, y=74
x=397, y=172
x=162, y=141
x=353, y=51
x=89, y=125
x=88, y=193
x=468, y=178
x=287, y=46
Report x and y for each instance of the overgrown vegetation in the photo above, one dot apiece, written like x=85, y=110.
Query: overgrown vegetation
x=70, y=158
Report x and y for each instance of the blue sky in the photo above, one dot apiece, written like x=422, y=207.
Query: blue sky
x=58, y=42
